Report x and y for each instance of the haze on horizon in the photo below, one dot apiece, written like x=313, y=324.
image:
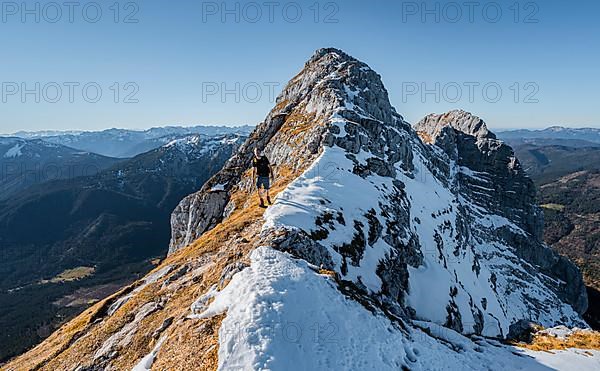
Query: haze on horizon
x=496, y=129
x=151, y=64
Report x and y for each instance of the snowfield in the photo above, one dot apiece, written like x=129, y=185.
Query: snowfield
x=329, y=186
x=283, y=315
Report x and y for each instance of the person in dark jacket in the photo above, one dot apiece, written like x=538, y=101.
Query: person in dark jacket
x=262, y=174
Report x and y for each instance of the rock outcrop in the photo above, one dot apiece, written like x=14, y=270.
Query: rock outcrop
x=416, y=243
x=507, y=191
x=500, y=185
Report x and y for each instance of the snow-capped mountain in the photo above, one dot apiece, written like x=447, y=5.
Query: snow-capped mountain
x=387, y=248
x=123, y=143
x=13, y=147
x=589, y=135
x=27, y=162
x=44, y=133
x=185, y=157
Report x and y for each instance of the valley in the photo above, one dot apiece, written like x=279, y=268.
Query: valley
x=568, y=181
x=68, y=243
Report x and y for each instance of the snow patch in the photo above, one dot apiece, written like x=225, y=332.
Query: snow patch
x=567, y=360
x=218, y=188
x=281, y=315
x=184, y=142
x=146, y=363
x=15, y=151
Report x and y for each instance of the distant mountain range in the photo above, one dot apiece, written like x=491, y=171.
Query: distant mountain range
x=29, y=158
x=123, y=143
x=561, y=135
x=104, y=229
x=556, y=151
x=24, y=163
x=545, y=162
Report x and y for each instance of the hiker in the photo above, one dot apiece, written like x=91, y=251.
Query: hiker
x=262, y=168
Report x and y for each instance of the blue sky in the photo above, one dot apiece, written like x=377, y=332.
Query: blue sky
x=171, y=66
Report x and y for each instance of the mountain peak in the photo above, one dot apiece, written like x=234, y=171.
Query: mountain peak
x=459, y=120
x=331, y=52
x=331, y=80
x=334, y=57
x=335, y=100
x=556, y=128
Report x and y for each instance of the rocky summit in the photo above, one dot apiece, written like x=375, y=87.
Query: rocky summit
x=387, y=248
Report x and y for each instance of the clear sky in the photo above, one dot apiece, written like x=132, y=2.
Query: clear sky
x=173, y=62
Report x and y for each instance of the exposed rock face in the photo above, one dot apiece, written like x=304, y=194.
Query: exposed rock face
x=400, y=227
x=201, y=211
x=501, y=186
x=506, y=189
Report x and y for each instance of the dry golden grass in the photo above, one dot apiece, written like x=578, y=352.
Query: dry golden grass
x=556, y=207
x=202, y=338
x=155, y=262
x=579, y=340
x=327, y=272
x=281, y=105
x=298, y=123
x=425, y=138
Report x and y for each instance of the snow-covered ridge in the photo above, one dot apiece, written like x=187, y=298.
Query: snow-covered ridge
x=198, y=145
x=398, y=218
x=195, y=140
x=187, y=141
